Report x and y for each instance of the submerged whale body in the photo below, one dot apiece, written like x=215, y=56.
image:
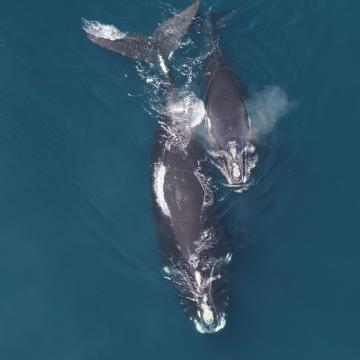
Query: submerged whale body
x=195, y=252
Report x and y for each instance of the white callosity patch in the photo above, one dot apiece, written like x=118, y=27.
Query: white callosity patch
x=193, y=260
x=207, y=313
x=104, y=31
x=221, y=325
x=198, y=289
x=236, y=170
x=196, y=282
x=158, y=187
x=236, y=166
x=201, y=295
x=198, y=278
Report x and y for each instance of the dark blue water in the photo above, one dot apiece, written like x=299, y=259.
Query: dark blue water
x=79, y=263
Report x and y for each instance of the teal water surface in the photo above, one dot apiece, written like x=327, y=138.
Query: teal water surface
x=79, y=262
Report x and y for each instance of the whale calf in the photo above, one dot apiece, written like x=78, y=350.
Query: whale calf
x=228, y=140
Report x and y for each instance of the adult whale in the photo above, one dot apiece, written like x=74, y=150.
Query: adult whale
x=229, y=137
x=195, y=251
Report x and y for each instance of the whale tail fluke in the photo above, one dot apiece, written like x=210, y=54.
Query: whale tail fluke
x=154, y=49
x=136, y=47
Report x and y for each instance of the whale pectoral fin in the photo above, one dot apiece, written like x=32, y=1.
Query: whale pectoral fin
x=136, y=47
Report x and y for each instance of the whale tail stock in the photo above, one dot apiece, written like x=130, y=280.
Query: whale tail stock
x=154, y=49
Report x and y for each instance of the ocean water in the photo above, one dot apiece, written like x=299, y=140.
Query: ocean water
x=79, y=261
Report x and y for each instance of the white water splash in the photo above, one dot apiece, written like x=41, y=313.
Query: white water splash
x=266, y=108
x=183, y=111
x=104, y=31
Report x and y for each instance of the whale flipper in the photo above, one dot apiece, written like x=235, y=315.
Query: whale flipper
x=162, y=43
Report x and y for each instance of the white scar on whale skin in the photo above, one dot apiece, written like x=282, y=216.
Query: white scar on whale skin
x=159, y=180
x=104, y=31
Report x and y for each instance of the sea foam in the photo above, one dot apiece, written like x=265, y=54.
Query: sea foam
x=104, y=31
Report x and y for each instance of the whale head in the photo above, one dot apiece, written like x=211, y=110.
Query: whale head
x=209, y=310
x=203, y=286
x=232, y=151
x=235, y=160
x=208, y=302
